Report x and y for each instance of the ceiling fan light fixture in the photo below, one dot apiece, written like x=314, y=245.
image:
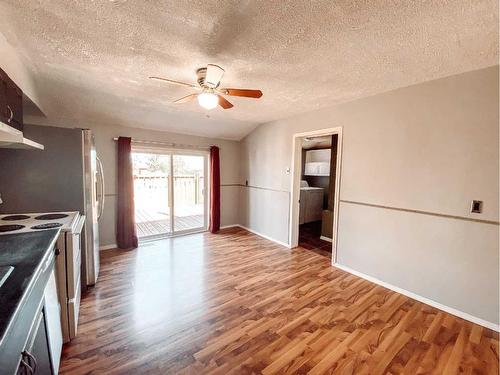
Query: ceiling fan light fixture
x=209, y=94
x=208, y=100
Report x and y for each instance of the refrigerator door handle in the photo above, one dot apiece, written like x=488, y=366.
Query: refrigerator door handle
x=101, y=181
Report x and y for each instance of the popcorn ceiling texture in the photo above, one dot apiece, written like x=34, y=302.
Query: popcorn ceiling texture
x=91, y=59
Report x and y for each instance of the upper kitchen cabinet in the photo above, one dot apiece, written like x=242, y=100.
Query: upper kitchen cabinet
x=11, y=116
x=11, y=102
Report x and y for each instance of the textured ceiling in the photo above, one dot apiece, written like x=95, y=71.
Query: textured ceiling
x=91, y=59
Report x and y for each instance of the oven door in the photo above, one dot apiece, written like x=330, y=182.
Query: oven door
x=73, y=272
x=53, y=322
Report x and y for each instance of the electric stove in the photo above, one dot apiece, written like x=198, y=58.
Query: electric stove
x=31, y=222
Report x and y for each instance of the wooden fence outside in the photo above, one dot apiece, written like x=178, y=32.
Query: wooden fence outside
x=188, y=189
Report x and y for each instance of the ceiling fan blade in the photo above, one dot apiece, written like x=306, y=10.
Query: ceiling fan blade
x=214, y=75
x=243, y=92
x=174, y=82
x=224, y=103
x=186, y=99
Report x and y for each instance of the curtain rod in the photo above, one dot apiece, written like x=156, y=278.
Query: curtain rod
x=171, y=144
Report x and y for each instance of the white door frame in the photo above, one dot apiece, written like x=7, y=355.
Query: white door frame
x=295, y=188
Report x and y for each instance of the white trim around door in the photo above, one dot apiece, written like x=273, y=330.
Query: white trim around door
x=295, y=186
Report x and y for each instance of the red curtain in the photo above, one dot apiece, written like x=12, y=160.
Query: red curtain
x=214, y=224
x=126, y=232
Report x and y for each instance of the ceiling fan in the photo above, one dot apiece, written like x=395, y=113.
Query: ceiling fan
x=210, y=94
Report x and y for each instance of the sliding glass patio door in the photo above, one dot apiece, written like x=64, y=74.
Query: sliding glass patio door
x=170, y=192
x=188, y=192
x=152, y=200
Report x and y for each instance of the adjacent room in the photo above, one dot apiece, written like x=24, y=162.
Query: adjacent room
x=249, y=187
x=317, y=193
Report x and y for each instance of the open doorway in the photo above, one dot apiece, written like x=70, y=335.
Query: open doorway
x=169, y=192
x=315, y=191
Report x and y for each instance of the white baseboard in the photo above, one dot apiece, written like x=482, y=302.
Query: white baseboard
x=425, y=300
x=258, y=234
x=328, y=239
x=230, y=226
x=107, y=247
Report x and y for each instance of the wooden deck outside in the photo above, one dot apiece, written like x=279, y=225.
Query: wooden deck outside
x=151, y=223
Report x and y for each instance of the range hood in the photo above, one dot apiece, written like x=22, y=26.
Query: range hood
x=12, y=138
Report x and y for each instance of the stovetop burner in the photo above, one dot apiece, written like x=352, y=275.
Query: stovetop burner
x=15, y=217
x=51, y=216
x=10, y=227
x=47, y=226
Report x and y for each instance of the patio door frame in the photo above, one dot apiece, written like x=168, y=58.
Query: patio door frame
x=170, y=152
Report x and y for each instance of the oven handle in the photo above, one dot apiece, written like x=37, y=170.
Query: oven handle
x=79, y=225
x=100, y=170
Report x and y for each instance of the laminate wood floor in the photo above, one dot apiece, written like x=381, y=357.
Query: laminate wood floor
x=310, y=239
x=234, y=303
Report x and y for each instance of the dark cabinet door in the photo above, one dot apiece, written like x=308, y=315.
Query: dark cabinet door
x=36, y=359
x=23, y=368
x=40, y=349
x=11, y=102
x=15, y=104
x=4, y=112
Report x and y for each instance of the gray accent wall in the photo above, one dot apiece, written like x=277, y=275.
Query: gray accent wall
x=431, y=147
x=46, y=180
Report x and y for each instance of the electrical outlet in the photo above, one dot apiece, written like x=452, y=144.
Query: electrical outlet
x=476, y=207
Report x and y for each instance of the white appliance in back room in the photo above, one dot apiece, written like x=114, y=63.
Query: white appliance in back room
x=66, y=176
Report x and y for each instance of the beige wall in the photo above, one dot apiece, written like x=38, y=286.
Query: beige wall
x=431, y=147
x=106, y=150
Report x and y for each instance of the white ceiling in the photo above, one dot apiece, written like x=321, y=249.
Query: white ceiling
x=91, y=59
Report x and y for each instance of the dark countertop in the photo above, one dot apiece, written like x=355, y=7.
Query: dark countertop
x=26, y=252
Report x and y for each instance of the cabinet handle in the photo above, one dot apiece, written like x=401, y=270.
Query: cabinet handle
x=11, y=115
x=32, y=358
x=27, y=367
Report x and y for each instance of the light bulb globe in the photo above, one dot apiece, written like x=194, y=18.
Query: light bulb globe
x=208, y=100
